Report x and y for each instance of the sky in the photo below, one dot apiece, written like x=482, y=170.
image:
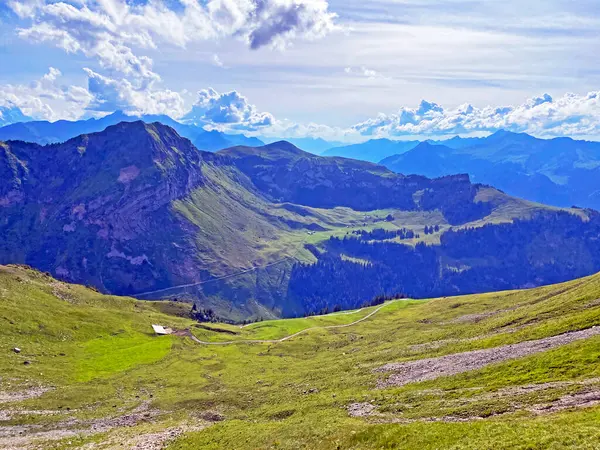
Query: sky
x=344, y=70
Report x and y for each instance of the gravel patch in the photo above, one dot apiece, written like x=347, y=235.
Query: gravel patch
x=158, y=441
x=361, y=409
x=25, y=438
x=9, y=414
x=432, y=368
x=579, y=400
x=29, y=436
x=32, y=392
x=570, y=401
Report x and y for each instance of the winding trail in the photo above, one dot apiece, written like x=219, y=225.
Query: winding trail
x=286, y=338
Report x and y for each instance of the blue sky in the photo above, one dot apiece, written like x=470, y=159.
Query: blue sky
x=339, y=69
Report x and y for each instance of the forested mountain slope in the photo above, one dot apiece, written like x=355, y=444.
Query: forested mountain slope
x=259, y=232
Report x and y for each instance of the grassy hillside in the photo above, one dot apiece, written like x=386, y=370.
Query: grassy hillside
x=97, y=376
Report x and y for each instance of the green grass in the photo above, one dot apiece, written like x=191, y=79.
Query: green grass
x=99, y=354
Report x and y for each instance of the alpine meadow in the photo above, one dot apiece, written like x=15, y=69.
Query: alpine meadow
x=245, y=224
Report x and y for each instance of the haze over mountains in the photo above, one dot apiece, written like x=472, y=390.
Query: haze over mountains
x=268, y=231
x=559, y=171
x=373, y=150
x=44, y=132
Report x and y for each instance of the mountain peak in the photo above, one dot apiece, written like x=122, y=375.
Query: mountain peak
x=428, y=146
x=284, y=146
x=504, y=134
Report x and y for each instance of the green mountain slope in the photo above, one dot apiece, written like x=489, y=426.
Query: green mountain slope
x=91, y=372
x=138, y=210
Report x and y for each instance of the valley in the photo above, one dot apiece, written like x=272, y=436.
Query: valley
x=272, y=231
x=299, y=225
x=91, y=374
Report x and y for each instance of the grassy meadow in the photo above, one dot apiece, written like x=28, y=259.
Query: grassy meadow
x=88, y=359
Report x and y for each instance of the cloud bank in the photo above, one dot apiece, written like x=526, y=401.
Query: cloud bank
x=41, y=97
x=114, y=31
x=569, y=115
x=228, y=111
x=110, y=95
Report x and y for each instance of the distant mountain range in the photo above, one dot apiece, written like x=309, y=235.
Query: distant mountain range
x=316, y=146
x=44, y=132
x=269, y=231
x=561, y=171
x=373, y=150
x=12, y=114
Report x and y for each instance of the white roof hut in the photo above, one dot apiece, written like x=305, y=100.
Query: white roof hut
x=160, y=330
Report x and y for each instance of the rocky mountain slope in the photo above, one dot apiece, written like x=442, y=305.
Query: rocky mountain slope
x=138, y=210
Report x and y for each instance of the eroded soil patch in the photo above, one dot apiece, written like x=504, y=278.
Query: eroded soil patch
x=432, y=368
x=19, y=396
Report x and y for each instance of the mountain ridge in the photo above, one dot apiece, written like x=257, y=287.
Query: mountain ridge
x=251, y=231
x=559, y=171
x=45, y=132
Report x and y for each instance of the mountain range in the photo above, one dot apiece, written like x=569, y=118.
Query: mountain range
x=559, y=172
x=11, y=114
x=373, y=150
x=270, y=231
x=44, y=132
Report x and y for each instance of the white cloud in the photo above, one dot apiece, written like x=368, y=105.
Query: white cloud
x=216, y=61
x=570, y=115
x=39, y=98
x=227, y=111
x=112, y=31
x=364, y=72
x=120, y=94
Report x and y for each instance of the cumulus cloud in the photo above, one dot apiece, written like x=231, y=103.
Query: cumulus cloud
x=227, y=111
x=111, y=94
x=112, y=31
x=363, y=72
x=37, y=99
x=570, y=115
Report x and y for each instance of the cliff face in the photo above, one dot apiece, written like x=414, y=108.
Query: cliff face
x=96, y=208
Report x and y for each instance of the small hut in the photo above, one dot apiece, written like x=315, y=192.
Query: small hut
x=160, y=330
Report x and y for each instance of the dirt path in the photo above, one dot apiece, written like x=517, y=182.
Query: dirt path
x=286, y=338
x=432, y=368
x=231, y=275
x=341, y=313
